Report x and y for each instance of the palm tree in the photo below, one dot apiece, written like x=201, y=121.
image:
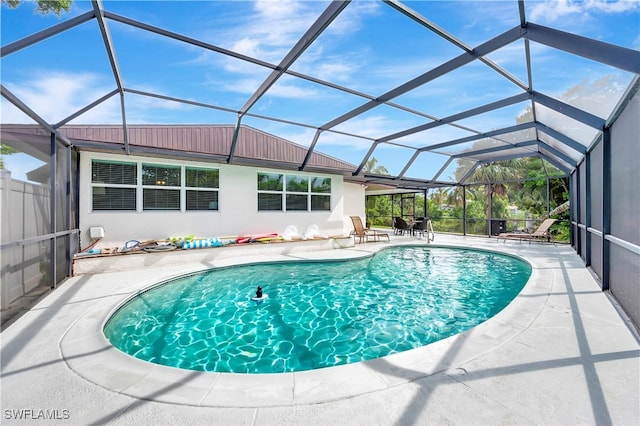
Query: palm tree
x=454, y=196
x=372, y=166
x=439, y=196
x=493, y=176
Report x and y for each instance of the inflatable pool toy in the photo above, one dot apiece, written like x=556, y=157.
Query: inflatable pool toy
x=260, y=299
x=211, y=242
x=257, y=238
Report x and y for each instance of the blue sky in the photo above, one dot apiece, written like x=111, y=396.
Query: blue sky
x=370, y=48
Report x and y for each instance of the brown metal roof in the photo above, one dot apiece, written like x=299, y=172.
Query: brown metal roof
x=208, y=140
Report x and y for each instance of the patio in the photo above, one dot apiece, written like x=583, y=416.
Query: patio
x=560, y=353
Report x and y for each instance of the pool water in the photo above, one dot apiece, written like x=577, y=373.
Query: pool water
x=317, y=314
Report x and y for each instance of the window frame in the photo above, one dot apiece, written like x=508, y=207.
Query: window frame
x=288, y=191
x=139, y=187
x=213, y=189
x=161, y=185
x=104, y=186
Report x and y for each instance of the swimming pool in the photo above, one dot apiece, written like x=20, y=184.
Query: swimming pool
x=318, y=314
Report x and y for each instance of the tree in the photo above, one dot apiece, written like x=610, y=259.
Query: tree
x=492, y=176
x=439, y=196
x=44, y=7
x=533, y=196
x=5, y=150
x=379, y=207
x=372, y=166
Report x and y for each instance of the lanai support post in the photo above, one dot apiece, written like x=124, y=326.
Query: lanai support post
x=464, y=210
x=606, y=207
x=587, y=208
x=52, y=212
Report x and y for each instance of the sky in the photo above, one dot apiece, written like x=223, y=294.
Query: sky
x=370, y=48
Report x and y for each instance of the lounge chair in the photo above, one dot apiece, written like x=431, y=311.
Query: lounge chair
x=362, y=233
x=541, y=233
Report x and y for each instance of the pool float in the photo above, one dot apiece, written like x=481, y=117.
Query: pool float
x=259, y=299
x=257, y=238
x=211, y=242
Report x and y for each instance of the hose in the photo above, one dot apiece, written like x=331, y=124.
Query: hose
x=90, y=245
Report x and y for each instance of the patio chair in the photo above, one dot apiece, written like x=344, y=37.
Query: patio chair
x=362, y=233
x=400, y=226
x=539, y=234
x=419, y=227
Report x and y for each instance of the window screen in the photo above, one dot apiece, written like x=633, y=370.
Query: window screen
x=269, y=201
x=297, y=202
x=115, y=173
x=161, y=199
x=160, y=175
x=106, y=198
x=202, y=200
x=113, y=185
x=320, y=202
x=202, y=178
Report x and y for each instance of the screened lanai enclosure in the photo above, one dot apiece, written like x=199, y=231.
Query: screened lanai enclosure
x=483, y=116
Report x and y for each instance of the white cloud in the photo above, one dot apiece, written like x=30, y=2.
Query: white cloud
x=552, y=10
x=335, y=70
x=245, y=86
x=247, y=46
x=620, y=6
x=502, y=13
x=273, y=27
x=56, y=95
x=285, y=90
x=512, y=54
x=350, y=20
x=599, y=96
x=281, y=89
x=555, y=10
x=372, y=126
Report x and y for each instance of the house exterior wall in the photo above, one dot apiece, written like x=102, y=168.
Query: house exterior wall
x=354, y=204
x=238, y=208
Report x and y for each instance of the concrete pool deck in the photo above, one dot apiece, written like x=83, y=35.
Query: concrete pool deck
x=560, y=353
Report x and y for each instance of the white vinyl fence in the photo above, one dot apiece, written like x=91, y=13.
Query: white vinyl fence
x=24, y=258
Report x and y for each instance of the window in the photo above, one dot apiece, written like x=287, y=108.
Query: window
x=113, y=185
x=270, y=191
x=202, y=188
x=299, y=193
x=320, y=193
x=161, y=187
x=269, y=182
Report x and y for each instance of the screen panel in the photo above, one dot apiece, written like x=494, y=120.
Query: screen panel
x=596, y=184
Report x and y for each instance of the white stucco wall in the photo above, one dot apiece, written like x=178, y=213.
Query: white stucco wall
x=354, y=204
x=238, y=208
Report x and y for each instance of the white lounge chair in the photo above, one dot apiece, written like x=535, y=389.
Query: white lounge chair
x=541, y=233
